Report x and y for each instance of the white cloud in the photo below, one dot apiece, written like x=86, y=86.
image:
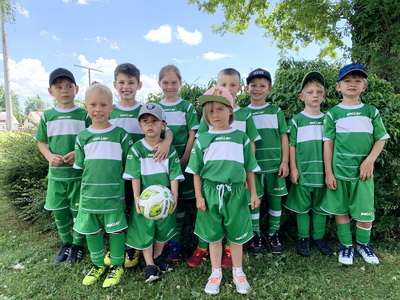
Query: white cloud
x=47, y=34
x=22, y=10
x=189, y=38
x=178, y=61
x=215, y=56
x=162, y=35
x=100, y=39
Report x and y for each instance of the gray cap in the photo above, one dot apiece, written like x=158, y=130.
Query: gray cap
x=153, y=109
x=312, y=75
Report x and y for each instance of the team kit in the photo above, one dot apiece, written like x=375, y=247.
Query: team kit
x=133, y=171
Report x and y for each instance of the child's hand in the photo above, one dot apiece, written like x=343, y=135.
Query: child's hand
x=330, y=181
x=175, y=202
x=201, y=204
x=283, y=170
x=184, y=161
x=294, y=175
x=137, y=205
x=162, y=151
x=55, y=160
x=366, y=169
x=255, y=201
x=246, y=186
x=69, y=158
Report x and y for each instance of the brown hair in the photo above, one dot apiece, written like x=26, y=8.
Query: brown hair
x=207, y=110
x=167, y=69
x=128, y=69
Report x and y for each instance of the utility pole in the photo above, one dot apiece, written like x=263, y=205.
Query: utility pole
x=89, y=69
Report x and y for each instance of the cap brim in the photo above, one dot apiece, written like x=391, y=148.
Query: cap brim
x=312, y=75
x=211, y=98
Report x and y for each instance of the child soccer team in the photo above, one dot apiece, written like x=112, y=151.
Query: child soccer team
x=238, y=157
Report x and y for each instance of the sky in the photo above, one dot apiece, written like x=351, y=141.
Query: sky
x=101, y=34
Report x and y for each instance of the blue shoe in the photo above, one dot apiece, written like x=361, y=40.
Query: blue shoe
x=175, y=251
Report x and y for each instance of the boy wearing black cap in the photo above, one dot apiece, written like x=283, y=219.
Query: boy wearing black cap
x=56, y=133
x=307, y=165
x=354, y=136
x=272, y=153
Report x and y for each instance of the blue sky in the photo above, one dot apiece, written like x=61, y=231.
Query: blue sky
x=101, y=34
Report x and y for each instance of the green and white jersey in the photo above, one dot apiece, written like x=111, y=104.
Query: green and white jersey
x=101, y=153
x=243, y=122
x=127, y=118
x=181, y=117
x=305, y=133
x=354, y=129
x=140, y=165
x=222, y=156
x=271, y=124
x=59, y=128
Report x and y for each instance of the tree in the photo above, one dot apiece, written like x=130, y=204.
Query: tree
x=15, y=105
x=36, y=104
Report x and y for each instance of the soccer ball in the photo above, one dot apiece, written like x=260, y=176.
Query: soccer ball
x=156, y=202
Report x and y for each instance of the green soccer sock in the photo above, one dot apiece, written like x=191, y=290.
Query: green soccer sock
x=344, y=234
x=255, y=220
x=202, y=244
x=319, y=224
x=96, y=248
x=63, y=223
x=77, y=238
x=117, y=249
x=180, y=218
x=275, y=212
x=363, y=235
x=303, y=225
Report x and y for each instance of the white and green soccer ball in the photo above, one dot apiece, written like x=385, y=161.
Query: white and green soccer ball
x=156, y=202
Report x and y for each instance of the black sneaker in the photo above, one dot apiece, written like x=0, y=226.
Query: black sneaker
x=75, y=254
x=163, y=264
x=274, y=244
x=323, y=247
x=151, y=273
x=63, y=253
x=303, y=247
x=255, y=246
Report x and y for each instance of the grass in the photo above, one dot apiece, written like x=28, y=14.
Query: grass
x=288, y=276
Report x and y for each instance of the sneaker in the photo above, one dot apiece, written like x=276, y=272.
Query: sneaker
x=366, y=252
x=175, y=251
x=323, y=247
x=63, y=253
x=94, y=275
x=114, y=275
x=227, y=258
x=75, y=254
x=151, y=273
x=274, y=244
x=346, y=254
x=303, y=247
x=255, y=246
x=242, y=286
x=162, y=263
x=131, y=258
x=212, y=286
x=197, y=258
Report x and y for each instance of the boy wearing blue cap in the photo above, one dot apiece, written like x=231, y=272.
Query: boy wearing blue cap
x=354, y=136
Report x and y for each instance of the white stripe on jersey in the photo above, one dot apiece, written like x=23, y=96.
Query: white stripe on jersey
x=103, y=150
x=131, y=125
x=64, y=127
x=176, y=118
x=354, y=124
x=224, y=151
x=149, y=167
x=266, y=121
x=239, y=125
x=309, y=133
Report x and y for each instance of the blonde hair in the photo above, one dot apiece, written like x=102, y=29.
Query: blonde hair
x=99, y=88
x=168, y=69
x=207, y=111
x=313, y=82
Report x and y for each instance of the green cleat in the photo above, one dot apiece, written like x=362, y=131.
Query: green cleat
x=114, y=275
x=94, y=275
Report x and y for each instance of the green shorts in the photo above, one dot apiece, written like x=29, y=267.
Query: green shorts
x=275, y=185
x=354, y=198
x=227, y=214
x=93, y=223
x=186, y=187
x=142, y=231
x=302, y=198
x=63, y=194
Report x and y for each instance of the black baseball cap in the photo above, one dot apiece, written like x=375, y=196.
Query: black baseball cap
x=312, y=75
x=61, y=72
x=259, y=73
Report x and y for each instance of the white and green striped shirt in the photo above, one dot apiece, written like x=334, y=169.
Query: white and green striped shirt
x=127, y=118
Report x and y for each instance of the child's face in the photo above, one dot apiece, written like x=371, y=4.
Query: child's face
x=218, y=116
x=151, y=126
x=312, y=95
x=64, y=92
x=258, y=89
x=351, y=85
x=99, y=107
x=127, y=86
x=170, y=85
x=231, y=82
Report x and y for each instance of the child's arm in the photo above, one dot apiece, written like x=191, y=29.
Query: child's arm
x=367, y=166
x=136, y=193
x=69, y=158
x=188, y=149
x=294, y=173
x=163, y=147
x=330, y=179
x=198, y=185
x=284, y=167
x=54, y=160
x=174, y=191
x=253, y=146
x=255, y=202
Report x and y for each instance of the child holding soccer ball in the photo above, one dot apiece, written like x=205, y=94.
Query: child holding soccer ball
x=145, y=234
x=221, y=161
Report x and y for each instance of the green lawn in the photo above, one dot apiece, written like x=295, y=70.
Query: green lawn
x=288, y=276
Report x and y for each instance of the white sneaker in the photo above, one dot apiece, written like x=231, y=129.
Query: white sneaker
x=346, y=254
x=242, y=286
x=212, y=286
x=367, y=253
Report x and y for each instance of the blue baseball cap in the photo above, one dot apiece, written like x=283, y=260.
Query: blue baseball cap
x=259, y=73
x=353, y=67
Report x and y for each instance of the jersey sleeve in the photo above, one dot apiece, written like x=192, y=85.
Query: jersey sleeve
x=250, y=162
x=132, y=165
x=196, y=163
x=282, y=123
x=292, y=133
x=329, y=127
x=175, y=171
x=251, y=129
x=79, y=154
x=380, y=132
x=191, y=118
x=41, y=132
